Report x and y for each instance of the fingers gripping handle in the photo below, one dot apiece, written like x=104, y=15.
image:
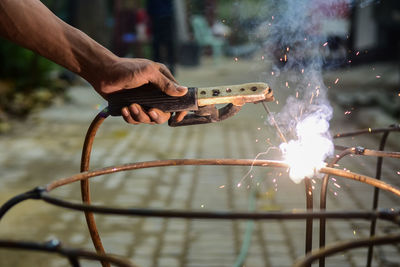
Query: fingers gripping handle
x=149, y=97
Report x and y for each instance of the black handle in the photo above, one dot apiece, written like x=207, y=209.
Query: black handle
x=148, y=96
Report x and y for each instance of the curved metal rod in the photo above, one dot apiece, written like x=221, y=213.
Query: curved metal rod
x=221, y=162
x=384, y=214
x=375, y=200
x=343, y=246
x=165, y=163
x=392, y=128
x=32, y=194
x=73, y=255
x=85, y=187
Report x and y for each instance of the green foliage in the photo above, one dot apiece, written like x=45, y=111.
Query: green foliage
x=24, y=68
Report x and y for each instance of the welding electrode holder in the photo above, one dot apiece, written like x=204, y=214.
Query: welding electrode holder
x=150, y=97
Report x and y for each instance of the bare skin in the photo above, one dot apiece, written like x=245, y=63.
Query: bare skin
x=32, y=25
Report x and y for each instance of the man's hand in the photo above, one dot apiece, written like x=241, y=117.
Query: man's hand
x=127, y=73
x=46, y=34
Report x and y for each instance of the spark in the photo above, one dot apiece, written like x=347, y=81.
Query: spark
x=258, y=128
x=325, y=44
x=337, y=80
x=335, y=193
x=222, y=186
x=252, y=165
x=202, y=205
x=347, y=112
x=302, y=70
x=369, y=130
x=297, y=94
x=285, y=57
x=354, y=232
x=272, y=73
x=287, y=49
x=358, y=52
x=272, y=17
x=236, y=59
x=317, y=92
x=312, y=97
x=287, y=84
x=398, y=94
x=378, y=76
x=256, y=140
x=337, y=185
x=262, y=57
x=277, y=102
x=398, y=172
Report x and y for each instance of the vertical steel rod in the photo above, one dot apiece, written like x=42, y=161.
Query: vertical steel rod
x=323, y=194
x=85, y=187
x=309, y=222
x=376, y=196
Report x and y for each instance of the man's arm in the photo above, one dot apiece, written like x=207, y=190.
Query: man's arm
x=32, y=25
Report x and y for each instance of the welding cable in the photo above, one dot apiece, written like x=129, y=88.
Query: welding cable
x=344, y=246
x=248, y=232
x=73, y=255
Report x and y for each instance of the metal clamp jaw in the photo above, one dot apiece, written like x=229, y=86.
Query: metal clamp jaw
x=207, y=114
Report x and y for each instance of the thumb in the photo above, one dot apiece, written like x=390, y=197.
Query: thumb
x=166, y=85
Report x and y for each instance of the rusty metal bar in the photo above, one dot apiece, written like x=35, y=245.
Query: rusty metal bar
x=376, y=196
x=343, y=246
x=165, y=163
x=85, y=186
x=323, y=194
x=221, y=162
x=391, y=128
x=73, y=255
x=309, y=221
x=370, y=152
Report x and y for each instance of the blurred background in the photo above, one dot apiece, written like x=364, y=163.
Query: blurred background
x=182, y=33
x=45, y=111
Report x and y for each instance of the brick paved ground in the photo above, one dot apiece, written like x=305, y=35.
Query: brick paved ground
x=48, y=147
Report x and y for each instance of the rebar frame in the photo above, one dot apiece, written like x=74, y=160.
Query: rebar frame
x=309, y=215
x=358, y=151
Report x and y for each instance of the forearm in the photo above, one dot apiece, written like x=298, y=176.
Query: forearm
x=30, y=24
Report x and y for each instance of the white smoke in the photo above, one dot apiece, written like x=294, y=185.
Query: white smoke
x=297, y=42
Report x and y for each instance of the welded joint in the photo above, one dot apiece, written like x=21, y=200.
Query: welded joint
x=36, y=193
x=53, y=244
x=359, y=150
x=391, y=215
